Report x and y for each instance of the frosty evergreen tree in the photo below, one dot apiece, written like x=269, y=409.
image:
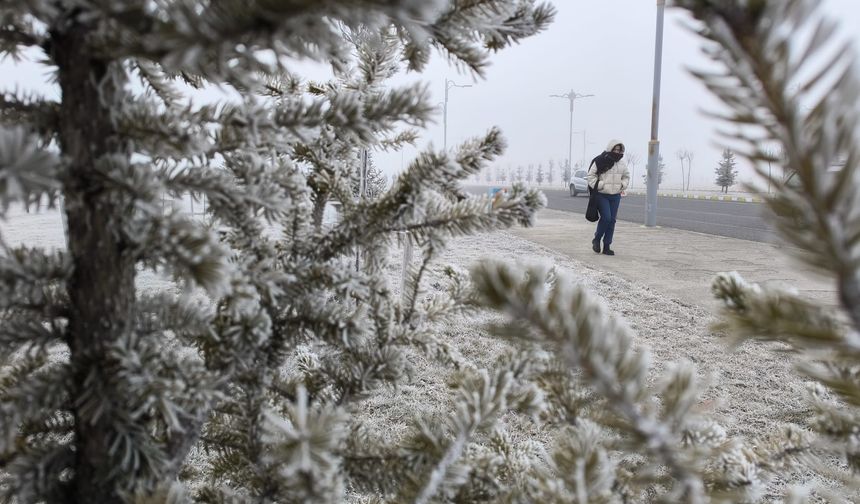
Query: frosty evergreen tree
x=104, y=391
x=726, y=172
x=801, y=97
x=661, y=168
x=550, y=172
x=375, y=181
x=677, y=455
x=566, y=173
x=540, y=177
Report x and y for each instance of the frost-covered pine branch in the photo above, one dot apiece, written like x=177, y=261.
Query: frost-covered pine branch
x=767, y=81
x=659, y=422
x=128, y=385
x=341, y=330
x=800, y=94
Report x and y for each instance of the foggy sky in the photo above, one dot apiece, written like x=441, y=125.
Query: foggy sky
x=605, y=48
x=599, y=47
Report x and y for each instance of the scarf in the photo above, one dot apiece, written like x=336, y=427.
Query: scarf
x=605, y=161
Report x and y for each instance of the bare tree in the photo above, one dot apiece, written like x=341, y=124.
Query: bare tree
x=632, y=160
x=683, y=156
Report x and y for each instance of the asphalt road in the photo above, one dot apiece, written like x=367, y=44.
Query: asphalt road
x=747, y=221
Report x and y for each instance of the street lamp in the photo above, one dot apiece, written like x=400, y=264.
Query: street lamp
x=572, y=97
x=407, y=246
x=448, y=85
x=654, y=143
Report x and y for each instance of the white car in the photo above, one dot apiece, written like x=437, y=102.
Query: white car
x=578, y=184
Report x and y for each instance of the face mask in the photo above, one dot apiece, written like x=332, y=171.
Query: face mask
x=616, y=155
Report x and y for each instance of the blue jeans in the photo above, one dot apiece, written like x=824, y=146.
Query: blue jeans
x=607, y=205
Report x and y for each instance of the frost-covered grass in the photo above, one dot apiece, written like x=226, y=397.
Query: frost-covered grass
x=753, y=389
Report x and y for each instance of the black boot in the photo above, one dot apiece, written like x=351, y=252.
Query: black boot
x=607, y=250
x=595, y=245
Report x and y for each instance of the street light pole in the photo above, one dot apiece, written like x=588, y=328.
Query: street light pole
x=572, y=97
x=654, y=143
x=448, y=85
x=407, y=245
x=362, y=192
x=582, y=166
x=570, y=140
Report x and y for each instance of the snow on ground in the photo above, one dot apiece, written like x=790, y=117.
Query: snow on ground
x=753, y=388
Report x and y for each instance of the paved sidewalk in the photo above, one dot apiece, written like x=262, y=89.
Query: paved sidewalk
x=678, y=263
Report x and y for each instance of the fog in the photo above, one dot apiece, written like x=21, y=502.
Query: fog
x=604, y=48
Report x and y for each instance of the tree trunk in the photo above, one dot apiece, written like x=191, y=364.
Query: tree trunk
x=319, y=200
x=101, y=288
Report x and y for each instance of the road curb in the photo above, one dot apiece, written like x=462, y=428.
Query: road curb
x=741, y=199
x=680, y=195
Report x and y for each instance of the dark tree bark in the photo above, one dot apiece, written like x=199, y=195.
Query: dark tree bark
x=101, y=288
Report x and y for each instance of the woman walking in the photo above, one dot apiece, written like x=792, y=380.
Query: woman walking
x=608, y=175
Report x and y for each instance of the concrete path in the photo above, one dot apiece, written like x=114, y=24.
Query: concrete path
x=723, y=218
x=678, y=263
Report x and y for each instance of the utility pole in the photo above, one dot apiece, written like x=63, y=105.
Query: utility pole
x=654, y=143
x=572, y=97
x=448, y=85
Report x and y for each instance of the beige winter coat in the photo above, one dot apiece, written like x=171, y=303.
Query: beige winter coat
x=614, y=180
